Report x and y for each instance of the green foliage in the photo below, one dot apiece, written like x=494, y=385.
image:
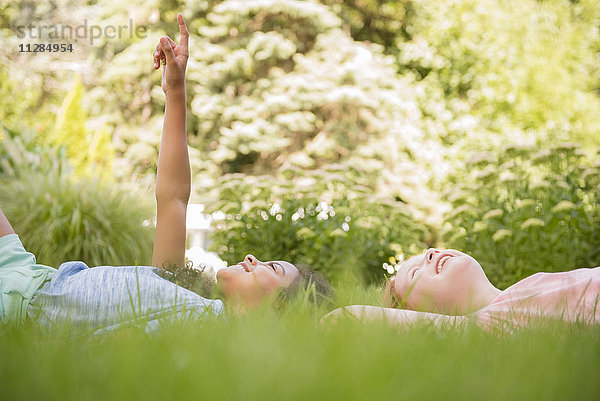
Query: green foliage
x=91, y=154
x=400, y=89
x=527, y=210
x=20, y=96
x=508, y=65
x=19, y=151
x=325, y=219
x=376, y=21
x=60, y=217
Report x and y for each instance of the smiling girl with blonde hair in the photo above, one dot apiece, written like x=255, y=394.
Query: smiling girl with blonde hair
x=449, y=286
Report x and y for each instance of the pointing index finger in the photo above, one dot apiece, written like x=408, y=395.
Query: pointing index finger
x=183, y=31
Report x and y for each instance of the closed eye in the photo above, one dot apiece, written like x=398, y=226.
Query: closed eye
x=414, y=272
x=277, y=268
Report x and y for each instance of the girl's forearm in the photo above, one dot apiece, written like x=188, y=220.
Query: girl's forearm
x=173, y=178
x=398, y=317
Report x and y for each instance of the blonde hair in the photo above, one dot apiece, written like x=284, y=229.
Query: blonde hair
x=390, y=299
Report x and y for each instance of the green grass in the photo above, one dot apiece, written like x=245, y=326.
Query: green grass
x=289, y=355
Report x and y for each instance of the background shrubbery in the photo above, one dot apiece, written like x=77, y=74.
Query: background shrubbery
x=379, y=105
x=325, y=219
x=525, y=210
x=61, y=217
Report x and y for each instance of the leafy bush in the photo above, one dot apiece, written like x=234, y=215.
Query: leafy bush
x=527, y=211
x=324, y=218
x=60, y=217
x=92, y=154
x=529, y=64
x=19, y=151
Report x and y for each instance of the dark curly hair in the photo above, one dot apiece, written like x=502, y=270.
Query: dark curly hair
x=189, y=277
x=317, y=287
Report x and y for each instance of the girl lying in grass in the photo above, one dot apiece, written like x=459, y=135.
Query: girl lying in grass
x=108, y=297
x=449, y=286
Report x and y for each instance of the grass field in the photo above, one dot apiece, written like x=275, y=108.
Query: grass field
x=289, y=355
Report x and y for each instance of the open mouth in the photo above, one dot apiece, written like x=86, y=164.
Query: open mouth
x=440, y=264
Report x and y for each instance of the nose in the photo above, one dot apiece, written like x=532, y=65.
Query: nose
x=251, y=260
x=429, y=254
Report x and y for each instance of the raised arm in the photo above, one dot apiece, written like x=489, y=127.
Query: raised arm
x=173, y=178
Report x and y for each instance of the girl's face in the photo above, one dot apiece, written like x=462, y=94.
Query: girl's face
x=251, y=281
x=446, y=281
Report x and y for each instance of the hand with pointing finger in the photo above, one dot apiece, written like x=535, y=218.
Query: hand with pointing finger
x=174, y=59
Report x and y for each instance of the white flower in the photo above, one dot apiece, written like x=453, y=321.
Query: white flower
x=276, y=208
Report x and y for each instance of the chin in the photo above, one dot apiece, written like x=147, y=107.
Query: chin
x=223, y=273
x=229, y=272
x=467, y=265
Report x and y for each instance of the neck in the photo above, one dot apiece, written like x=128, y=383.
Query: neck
x=239, y=305
x=484, y=297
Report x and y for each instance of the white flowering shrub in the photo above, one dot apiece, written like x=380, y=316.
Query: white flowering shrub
x=279, y=83
x=526, y=210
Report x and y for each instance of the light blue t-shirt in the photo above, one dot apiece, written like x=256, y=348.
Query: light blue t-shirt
x=20, y=278
x=91, y=300
x=104, y=298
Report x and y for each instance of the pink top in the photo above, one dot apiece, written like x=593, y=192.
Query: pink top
x=573, y=296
